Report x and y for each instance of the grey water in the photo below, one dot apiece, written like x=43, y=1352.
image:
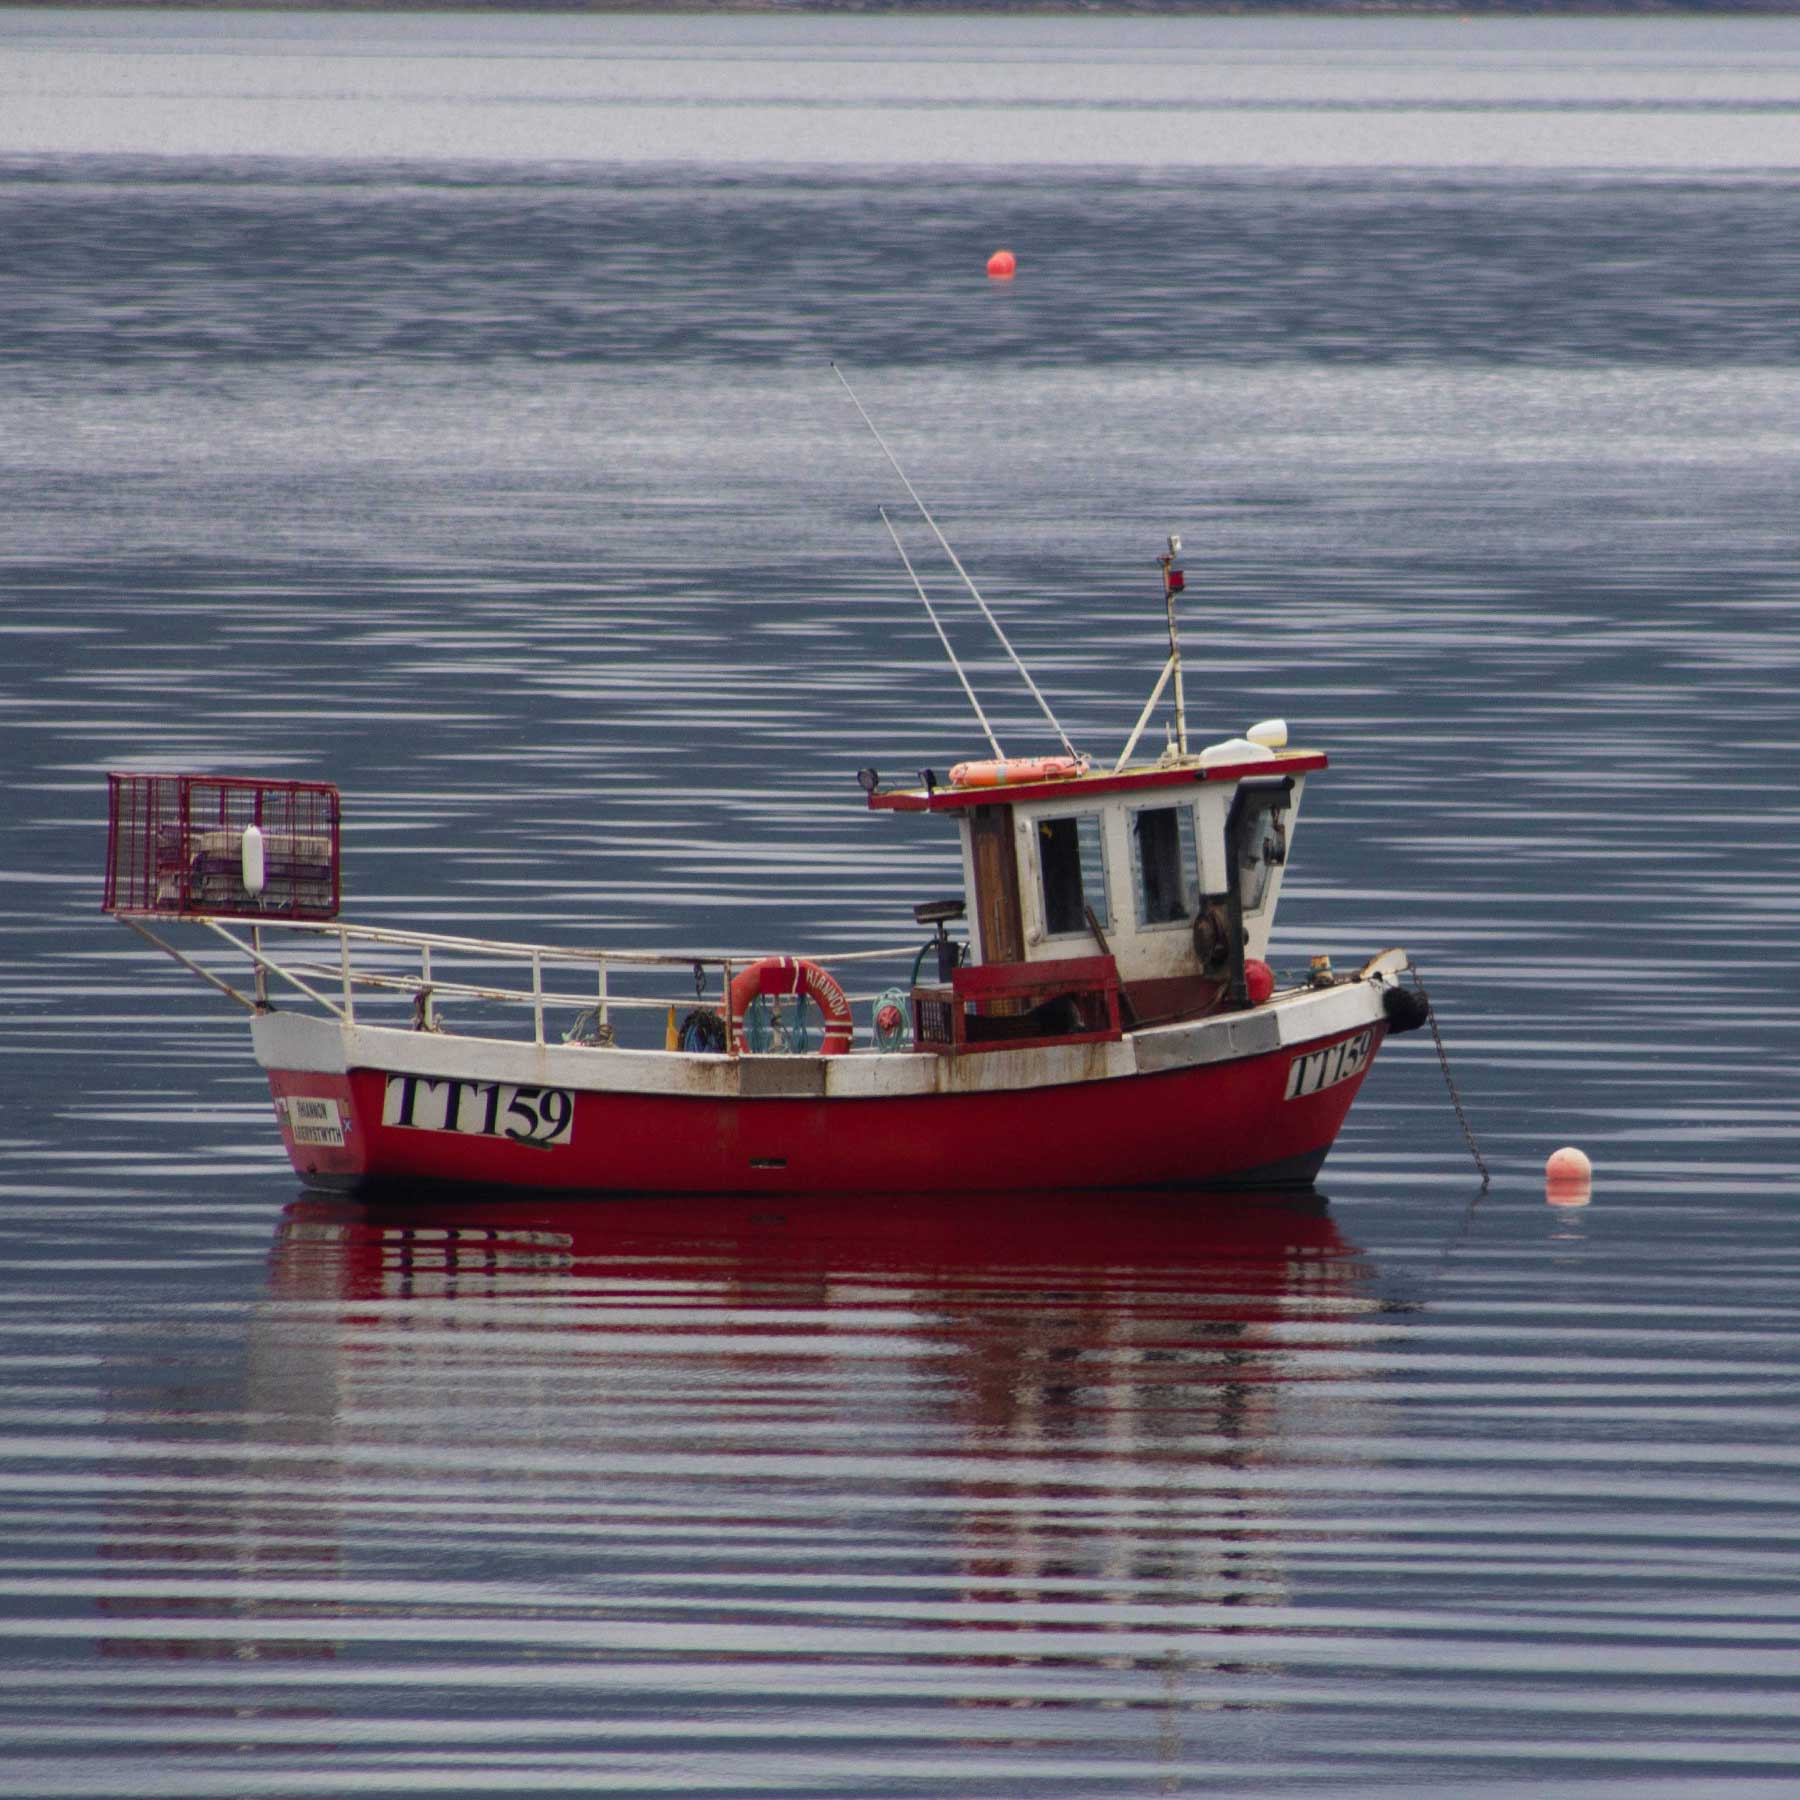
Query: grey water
x=441, y=406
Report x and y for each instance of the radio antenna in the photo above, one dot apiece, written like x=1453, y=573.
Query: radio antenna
x=931, y=613
x=956, y=563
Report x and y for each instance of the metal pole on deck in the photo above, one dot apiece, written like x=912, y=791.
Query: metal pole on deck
x=1173, y=582
x=956, y=563
x=931, y=613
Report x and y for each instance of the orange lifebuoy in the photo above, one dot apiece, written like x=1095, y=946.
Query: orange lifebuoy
x=776, y=975
x=1011, y=770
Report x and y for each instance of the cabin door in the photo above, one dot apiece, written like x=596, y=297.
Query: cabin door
x=997, y=913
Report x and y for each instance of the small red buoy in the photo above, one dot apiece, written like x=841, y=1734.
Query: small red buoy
x=1568, y=1164
x=1259, y=980
x=1002, y=264
x=1568, y=1177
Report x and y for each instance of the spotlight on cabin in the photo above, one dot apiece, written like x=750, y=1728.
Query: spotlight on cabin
x=868, y=780
x=1174, y=543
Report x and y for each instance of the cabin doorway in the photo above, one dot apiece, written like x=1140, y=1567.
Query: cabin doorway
x=995, y=861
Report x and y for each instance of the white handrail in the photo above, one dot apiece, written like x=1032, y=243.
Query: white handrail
x=424, y=980
x=258, y=959
x=468, y=990
x=520, y=951
x=187, y=962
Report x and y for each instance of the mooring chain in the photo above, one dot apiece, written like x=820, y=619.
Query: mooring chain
x=1437, y=1037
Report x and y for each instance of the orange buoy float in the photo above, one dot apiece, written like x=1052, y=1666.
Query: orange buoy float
x=775, y=976
x=1001, y=265
x=1568, y=1177
x=1009, y=771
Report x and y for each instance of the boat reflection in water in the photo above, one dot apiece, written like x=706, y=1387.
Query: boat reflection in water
x=1012, y=1446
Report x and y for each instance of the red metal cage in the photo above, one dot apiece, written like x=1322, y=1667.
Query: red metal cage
x=199, y=843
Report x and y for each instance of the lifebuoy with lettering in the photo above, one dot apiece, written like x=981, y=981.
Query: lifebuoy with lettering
x=776, y=976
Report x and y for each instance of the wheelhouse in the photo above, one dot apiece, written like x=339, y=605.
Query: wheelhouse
x=1171, y=870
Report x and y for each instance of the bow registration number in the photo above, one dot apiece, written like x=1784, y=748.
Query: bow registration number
x=1317, y=1070
x=526, y=1115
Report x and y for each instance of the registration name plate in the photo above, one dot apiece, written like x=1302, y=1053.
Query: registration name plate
x=1315, y=1070
x=314, y=1120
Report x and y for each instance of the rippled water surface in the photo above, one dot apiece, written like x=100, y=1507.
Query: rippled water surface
x=504, y=482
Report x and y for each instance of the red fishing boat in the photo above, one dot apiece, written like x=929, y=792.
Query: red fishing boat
x=1105, y=1016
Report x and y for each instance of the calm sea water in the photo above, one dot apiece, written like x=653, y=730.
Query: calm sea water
x=441, y=406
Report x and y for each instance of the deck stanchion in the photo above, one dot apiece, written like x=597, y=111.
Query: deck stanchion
x=537, y=997
x=731, y=1043
x=600, y=1017
x=344, y=964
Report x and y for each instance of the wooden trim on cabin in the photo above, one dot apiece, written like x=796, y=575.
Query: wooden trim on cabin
x=999, y=915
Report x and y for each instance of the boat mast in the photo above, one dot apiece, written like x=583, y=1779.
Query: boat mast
x=1173, y=582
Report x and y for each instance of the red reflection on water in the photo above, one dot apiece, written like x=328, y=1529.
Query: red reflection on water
x=1253, y=1245
x=1069, y=1397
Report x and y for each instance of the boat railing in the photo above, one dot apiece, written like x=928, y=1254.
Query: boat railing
x=339, y=966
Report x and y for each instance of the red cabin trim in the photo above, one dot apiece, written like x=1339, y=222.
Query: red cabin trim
x=948, y=799
x=964, y=1018
x=989, y=981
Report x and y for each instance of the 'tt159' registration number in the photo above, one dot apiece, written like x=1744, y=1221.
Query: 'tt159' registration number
x=1320, y=1069
x=527, y=1115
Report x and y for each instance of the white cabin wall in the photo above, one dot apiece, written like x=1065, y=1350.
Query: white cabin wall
x=1153, y=951
x=1038, y=947
x=1212, y=805
x=1142, y=955
x=966, y=837
x=1143, y=952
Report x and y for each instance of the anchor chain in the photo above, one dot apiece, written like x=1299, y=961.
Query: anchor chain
x=1437, y=1037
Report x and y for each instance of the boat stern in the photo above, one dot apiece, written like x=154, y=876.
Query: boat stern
x=309, y=1082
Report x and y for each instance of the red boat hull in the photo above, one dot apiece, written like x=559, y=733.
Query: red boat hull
x=1222, y=1122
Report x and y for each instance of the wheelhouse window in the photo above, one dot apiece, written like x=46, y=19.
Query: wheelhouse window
x=1262, y=849
x=1072, y=868
x=1168, y=873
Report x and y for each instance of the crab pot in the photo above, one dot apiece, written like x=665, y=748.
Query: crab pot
x=225, y=846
